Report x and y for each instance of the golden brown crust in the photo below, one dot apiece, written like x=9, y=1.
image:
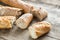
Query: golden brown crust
x=5, y=23
x=11, y=18
x=19, y=4
x=41, y=28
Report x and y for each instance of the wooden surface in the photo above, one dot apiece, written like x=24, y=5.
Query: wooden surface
x=53, y=18
x=52, y=2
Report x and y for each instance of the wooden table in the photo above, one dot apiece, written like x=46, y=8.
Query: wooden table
x=53, y=18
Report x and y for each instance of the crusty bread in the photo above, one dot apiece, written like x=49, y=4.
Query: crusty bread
x=10, y=11
x=19, y=4
x=24, y=20
x=11, y=18
x=38, y=29
x=40, y=13
x=5, y=23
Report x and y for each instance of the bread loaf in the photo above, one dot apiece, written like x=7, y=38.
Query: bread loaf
x=19, y=4
x=11, y=18
x=10, y=11
x=24, y=20
x=38, y=29
x=6, y=22
x=40, y=13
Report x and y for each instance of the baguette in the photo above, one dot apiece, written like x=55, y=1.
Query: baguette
x=19, y=4
x=24, y=20
x=38, y=29
x=10, y=11
x=6, y=22
x=40, y=13
x=11, y=18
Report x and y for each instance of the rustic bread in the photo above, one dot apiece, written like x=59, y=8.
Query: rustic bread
x=10, y=11
x=11, y=18
x=38, y=29
x=40, y=13
x=24, y=20
x=6, y=22
x=19, y=4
